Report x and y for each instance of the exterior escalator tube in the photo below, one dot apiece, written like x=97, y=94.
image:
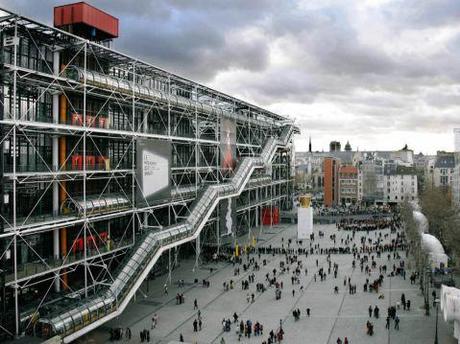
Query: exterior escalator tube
x=112, y=301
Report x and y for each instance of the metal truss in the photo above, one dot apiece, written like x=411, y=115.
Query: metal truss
x=48, y=184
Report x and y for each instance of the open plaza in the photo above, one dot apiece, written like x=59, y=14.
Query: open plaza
x=167, y=177
x=332, y=315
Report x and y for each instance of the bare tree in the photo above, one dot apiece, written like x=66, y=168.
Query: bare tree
x=442, y=217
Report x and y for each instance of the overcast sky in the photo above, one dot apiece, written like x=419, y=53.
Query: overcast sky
x=379, y=73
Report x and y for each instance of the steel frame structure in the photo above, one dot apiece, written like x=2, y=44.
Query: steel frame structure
x=39, y=94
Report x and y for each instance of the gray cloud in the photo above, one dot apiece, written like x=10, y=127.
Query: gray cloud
x=391, y=68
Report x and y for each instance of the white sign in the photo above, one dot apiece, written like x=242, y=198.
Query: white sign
x=153, y=169
x=155, y=172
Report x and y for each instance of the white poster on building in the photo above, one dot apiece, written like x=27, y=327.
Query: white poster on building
x=227, y=213
x=153, y=169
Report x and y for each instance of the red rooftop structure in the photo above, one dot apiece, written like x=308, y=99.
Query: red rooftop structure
x=86, y=21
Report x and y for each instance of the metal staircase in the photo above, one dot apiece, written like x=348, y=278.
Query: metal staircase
x=113, y=300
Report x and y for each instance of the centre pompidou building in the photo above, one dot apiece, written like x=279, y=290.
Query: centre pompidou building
x=107, y=162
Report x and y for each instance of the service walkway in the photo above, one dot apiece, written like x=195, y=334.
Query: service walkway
x=332, y=315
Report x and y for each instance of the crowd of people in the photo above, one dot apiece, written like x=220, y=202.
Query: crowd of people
x=370, y=224
x=344, y=210
x=374, y=253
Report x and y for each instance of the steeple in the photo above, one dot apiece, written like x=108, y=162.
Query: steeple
x=348, y=147
x=309, y=144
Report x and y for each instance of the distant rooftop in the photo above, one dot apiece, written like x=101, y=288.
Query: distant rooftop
x=445, y=161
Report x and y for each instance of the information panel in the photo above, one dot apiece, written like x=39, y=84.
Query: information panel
x=153, y=159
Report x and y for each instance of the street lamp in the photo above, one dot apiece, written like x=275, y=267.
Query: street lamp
x=436, y=333
x=427, y=290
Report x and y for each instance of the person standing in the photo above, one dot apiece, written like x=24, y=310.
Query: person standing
x=195, y=326
x=397, y=322
x=181, y=338
x=200, y=323
x=195, y=304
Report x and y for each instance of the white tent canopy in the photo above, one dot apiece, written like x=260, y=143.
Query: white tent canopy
x=432, y=244
x=435, y=250
x=421, y=221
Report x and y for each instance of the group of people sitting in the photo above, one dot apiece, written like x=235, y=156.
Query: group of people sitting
x=365, y=224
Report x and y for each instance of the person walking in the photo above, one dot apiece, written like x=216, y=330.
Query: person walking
x=181, y=338
x=387, y=325
x=154, y=323
x=397, y=322
x=370, y=311
x=195, y=304
x=200, y=323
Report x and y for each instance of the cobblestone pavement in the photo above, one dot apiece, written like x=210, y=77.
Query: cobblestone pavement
x=332, y=315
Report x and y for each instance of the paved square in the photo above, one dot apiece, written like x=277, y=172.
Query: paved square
x=332, y=315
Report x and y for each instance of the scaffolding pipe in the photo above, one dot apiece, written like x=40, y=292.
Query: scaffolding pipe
x=63, y=188
x=15, y=238
x=55, y=143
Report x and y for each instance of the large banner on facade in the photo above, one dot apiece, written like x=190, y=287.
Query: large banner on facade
x=153, y=161
x=228, y=146
x=227, y=217
x=227, y=208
